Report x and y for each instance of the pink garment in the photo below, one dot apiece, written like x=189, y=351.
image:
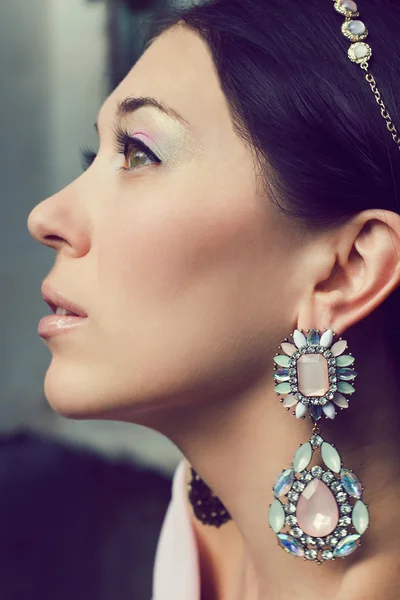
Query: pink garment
x=176, y=574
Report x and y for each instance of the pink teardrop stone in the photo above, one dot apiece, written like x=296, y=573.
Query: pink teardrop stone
x=317, y=512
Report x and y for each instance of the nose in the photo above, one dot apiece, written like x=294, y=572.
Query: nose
x=61, y=222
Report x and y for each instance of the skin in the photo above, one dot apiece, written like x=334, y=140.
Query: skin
x=191, y=278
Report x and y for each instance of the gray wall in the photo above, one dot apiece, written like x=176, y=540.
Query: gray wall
x=53, y=57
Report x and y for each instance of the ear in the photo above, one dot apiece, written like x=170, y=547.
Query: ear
x=359, y=267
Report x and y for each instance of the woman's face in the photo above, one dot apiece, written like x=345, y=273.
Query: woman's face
x=181, y=263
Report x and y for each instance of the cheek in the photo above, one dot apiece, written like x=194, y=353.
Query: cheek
x=158, y=251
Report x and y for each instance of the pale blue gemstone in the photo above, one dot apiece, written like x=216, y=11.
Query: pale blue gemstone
x=344, y=387
x=313, y=337
x=331, y=457
x=283, y=483
x=282, y=360
x=290, y=544
x=360, y=517
x=346, y=546
x=302, y=457
x=346, y=374
x=351, y=483
x=343, y=361
x=281, y=375
x=283, y=388
x=276, y=516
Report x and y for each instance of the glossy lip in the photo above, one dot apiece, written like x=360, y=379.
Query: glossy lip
x=55, y=299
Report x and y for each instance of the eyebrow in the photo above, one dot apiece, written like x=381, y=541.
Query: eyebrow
x=131, y=104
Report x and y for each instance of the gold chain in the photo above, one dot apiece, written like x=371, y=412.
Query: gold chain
x=389, y=124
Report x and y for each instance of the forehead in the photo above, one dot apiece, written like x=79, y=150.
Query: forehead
x=178, y=70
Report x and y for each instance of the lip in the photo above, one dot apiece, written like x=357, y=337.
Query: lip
x=54, y=325
x=56, y=299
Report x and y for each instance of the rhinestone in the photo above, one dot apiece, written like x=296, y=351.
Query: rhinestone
x=291, y=520
x=336, y=486
x=306, y=476
x=316, y=441
x=341, y=497
x=331, y=370
x=327, y=554
x=293, y=496
x=344, y=521
x=311, y=541
x=329, y=395
x=292, y=372
x=298, y=486
x=296, y=532
x=345, y=509
x=290, y=508
x=317, y=471
x=327, y=477
x=333, y=541
x=327, y=353
x=299, y=396
x=320, y=542
x=340, y=533
x=310, y=554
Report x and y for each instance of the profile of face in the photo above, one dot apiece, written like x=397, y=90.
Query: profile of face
x=176, y=255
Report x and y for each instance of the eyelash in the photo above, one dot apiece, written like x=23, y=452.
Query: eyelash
x=123, y=142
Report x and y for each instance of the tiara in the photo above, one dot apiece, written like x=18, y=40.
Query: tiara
x=359, y=52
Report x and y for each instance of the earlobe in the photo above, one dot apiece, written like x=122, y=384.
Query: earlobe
x=366, y=271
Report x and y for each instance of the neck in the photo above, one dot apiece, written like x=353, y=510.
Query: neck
x=240, y=446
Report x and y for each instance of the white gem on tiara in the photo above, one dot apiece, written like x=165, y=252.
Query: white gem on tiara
x=348, y=8
x=349, y=5
x=359, y=52
x=356, y=27
x=355, y=31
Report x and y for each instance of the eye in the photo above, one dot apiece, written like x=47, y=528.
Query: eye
x=135, y=151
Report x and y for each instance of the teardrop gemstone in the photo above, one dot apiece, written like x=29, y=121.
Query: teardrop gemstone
x=339, y=347
x=283, y=387
x=290, y=544
x=345, y=360
x=331, y=457
x=282, y=360
x=351, y=483
x=346, y=546
x=276, y=516
x=289, y=401
x=360, y=517
x=283, y=483
x=313, y=337
x=346, y=374
x=281, y=375
x=288, y=348
x=326, y=338
x=299, y=338
x=317, y=512
x=302, y=457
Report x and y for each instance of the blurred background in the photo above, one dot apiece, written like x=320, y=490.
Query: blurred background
x=81, y=502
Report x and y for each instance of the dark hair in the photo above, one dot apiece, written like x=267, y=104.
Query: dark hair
x=322, y=147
